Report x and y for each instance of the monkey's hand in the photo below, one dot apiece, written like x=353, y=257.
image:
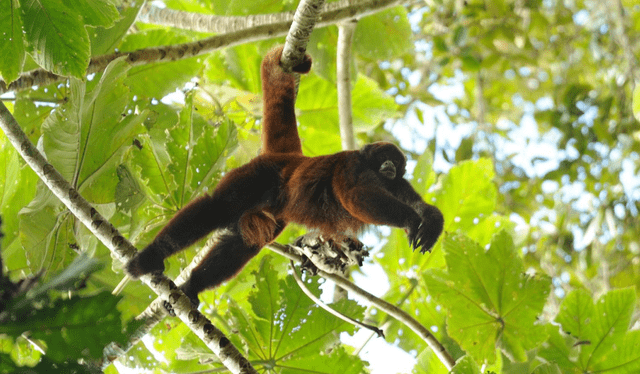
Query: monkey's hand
x=304, y=66
x=145, y=262
x=425, y=232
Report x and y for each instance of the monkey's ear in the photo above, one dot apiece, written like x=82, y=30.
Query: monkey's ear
x=304, y=66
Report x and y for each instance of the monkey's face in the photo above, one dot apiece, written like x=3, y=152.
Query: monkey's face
x=388, y=170
x=386, y=159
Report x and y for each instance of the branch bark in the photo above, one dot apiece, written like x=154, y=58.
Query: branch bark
x=331, y=13
x=346, y=31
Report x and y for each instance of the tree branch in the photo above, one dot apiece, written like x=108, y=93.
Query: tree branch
x=331, y=13
x=303, y=23
x=176, y=52
x=381, y=304
x=346, y=31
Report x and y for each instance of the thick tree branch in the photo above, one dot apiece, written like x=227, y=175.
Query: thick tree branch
x=303, y=23
x=121, y=247
x=346, y=31
x=330, y=13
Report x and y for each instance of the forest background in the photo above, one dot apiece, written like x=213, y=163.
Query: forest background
x=519, y=119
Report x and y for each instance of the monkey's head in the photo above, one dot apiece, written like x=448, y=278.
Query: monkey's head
x=385, y=158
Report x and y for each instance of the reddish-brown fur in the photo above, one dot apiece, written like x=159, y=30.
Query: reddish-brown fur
x=279, y=127
x=335, y=194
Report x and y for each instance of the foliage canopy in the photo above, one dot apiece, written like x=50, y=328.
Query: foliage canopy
x=520, y=119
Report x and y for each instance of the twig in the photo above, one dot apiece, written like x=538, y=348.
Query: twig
x=383, y=305
x=328, y=308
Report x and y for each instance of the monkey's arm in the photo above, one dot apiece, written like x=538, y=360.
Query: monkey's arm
x=279, y=126
x=427, y=232
x=399, y=205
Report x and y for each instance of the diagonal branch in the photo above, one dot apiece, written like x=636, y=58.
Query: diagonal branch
x=121, y=247
x=392, y=310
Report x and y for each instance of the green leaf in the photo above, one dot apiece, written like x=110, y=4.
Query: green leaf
x=576, y=313
x=197, y=151
x=636, y=102
x=72, y=328
x=17, y=188
x=69, y=279
x=105, y=39
x=285, y=329
x=239, y=66
x=372, y=39
x=468, y=193
x=179, y=158
x=609, y=323
x=94, y=119
x=371, y=105
x=84, y=139
x=560, y=348
x=56, y=37
x=128, y=194
x=264, y=303
x=496, y=303
x=317, y=105
x=466, y=365
x=11, y=42
x=423, y=175
x=596, y=337
x=623, y=358
x=547, y=369
x=44, y=230
x=96, y=13
x=158, y=79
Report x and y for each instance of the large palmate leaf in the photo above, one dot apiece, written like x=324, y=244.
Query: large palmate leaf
x=596, y=338
x=490, y=301
x=84, y=139
x=286, y=330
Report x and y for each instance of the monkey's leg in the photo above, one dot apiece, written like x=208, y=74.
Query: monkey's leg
x=224, y=260
x=247, y=188
x=230, y=253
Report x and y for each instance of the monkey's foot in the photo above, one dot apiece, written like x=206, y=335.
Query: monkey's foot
x=330, y=255
x=354, y=250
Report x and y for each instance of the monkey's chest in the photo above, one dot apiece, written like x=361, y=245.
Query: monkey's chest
x=313, y=203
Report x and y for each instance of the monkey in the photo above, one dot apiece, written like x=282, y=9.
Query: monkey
x=336, y=195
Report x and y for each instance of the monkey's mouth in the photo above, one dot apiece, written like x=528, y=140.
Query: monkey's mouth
x=388, y=169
